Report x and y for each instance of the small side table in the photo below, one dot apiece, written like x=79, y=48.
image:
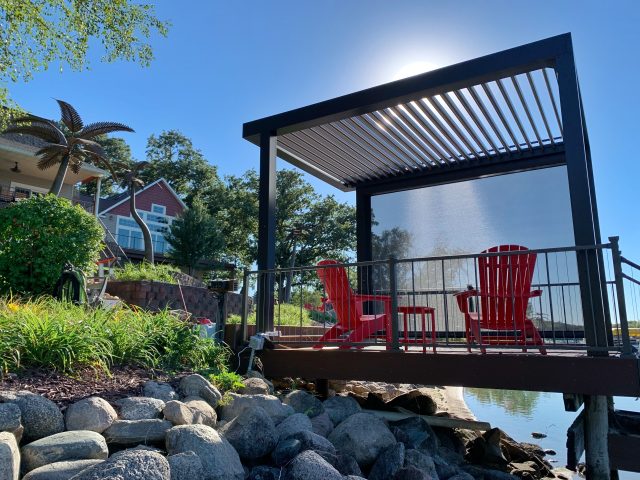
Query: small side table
x=423, y=311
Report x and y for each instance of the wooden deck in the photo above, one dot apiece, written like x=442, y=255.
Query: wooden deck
x=566, y=371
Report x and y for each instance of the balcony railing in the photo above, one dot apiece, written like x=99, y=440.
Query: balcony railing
x=10, y=195
x=424, y=309
x=136, y=242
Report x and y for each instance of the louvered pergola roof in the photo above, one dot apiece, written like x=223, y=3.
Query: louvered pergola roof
x=492, y=110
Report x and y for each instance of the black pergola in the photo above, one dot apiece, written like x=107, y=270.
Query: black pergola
x=511, y=111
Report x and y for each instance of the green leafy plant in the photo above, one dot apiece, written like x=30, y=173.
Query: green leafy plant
x=283, y=314
x=146, y=271
x=227, y=381
x=38, y=236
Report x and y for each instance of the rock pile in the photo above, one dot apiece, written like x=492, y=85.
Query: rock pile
x=198, y=434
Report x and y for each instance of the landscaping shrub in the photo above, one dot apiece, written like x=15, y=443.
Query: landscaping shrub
x=227, y=381
x=146, y=271
x=283, y=314
x=61, y=336
x=38, y=236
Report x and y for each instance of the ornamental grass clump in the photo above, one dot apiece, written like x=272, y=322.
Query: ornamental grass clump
x=46, y=333
x=146, y=271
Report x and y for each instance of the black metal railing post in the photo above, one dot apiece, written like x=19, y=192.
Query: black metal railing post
x=393, y=287
x=244, y=314
x=616, y=258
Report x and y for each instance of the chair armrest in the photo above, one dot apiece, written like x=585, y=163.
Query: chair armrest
x=463, y=299
x=467, y=293
x=535, y=293
x=360, y=297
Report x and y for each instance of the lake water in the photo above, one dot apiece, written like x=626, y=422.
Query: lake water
x=520, y=413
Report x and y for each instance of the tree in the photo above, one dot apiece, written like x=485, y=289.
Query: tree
x=172, y=156
x=194, y=236
x=118, y=152
x=36, y=33
x=68, y=145
x=132, y=182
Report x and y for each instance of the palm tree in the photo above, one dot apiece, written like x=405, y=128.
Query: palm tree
x=70, y=146
x=131, y=181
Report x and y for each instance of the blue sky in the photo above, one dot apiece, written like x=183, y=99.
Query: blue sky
x=225, y=63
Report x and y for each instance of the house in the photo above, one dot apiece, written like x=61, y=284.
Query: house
x=20, y=176
x=158, y=205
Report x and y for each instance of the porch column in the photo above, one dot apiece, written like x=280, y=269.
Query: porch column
x=266, y=231
x=364, y=251
x=96, y=200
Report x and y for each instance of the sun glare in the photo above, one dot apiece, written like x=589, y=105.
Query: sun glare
x=414, y=68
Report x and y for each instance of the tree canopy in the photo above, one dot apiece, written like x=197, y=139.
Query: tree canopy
x=36, y=34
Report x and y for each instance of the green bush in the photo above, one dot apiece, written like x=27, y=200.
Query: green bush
x=283, y=314
x=46, y=333
x=146, y=271
x=38, y=236
x=227, y=381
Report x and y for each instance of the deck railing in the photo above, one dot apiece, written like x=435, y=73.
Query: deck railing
x=418, y=297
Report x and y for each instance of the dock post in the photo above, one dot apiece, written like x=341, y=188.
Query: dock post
x=596, y=437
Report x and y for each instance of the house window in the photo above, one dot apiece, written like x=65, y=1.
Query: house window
x=129, y=235
x=161, y=209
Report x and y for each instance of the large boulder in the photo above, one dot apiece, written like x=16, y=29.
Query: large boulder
x=75, y=445
x=139, y=408
x=413, y=473
x=295, y=423
x=285, y=451
x=322, y=424
x=9, y=457
x=94, y=413
x=128, y=465
x=40, y=416
x=135, y=432
x=197, y=386
x=313, y=441
x=264, y=472
x=303, y=402
x=418, y=401
x=417, y=434
x=202, y=411
x=60, y=470
x=272, y=405
x=10, y=417
x=255, y=385
x=186, y=466
x=161, y=391
x=308, y=465
x=388, y=463
x=252, y=434
x=179, y=413
x=219, y=458
x=420, y=460
x=339, y=408
x=363, y=436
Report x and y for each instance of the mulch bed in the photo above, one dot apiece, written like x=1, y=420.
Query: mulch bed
x=65, y=389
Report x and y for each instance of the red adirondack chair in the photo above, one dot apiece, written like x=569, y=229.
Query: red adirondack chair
x=352, y=325
x=505, y=290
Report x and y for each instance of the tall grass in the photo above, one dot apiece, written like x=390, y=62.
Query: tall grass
x=146, y=271
x=46, y=333
x=283, y=314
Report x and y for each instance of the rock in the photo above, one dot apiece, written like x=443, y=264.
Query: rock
x=285, y=451
x=418, y=434
x=75, y=445
x=538, y=435
x=304, y=402
x=339, y=408
x=486, y=449
x=252, y=433
x=308, y=465
x=312, y=441
x=219, y=458
x=420, y=460
x=40, y=416
x=60, y=470
x=94, y=413
x=253, y=386
x=346, y=465
x=186, y=466
x=202, y=411
x=198, y=386
x=463, y=476
x=443, y=469
x=179, y=413
x=272, y=405
x=295, y=423
x=322, y=424
x=134, y=432
x=550, y=452
x=139, y=408
x=9, y=457
x=363, y=436
x=128, y=465
x=10, y=417
x=410, y=473
x=263, y=472
x=256, y=374
x=388, y=463
x=161, y=391
x=418, y=401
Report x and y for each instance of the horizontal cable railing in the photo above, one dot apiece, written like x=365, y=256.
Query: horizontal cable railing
x=529, y=300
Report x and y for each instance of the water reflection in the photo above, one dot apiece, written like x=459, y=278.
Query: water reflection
x=514, y=402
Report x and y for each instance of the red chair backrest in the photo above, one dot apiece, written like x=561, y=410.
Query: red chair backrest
x=505, y=282
x=339, y=292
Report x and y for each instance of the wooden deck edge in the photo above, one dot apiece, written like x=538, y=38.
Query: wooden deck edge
x=533, y=372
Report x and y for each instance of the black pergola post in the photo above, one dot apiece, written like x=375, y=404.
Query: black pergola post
x=583, y=208
x=266, y=232
x=364, y=251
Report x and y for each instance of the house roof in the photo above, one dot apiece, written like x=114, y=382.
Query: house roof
x=113, y=201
